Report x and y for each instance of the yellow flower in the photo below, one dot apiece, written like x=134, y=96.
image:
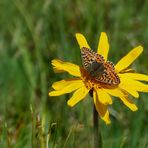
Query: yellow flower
x=129, y=82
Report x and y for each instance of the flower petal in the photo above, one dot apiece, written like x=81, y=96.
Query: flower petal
x=78, y=96
x=103, y=46
x=127, y=70
x=101, y=109
x=116, y=92
x=135, y=76
x=81, y=40
x=129, y=90
x=128, y=59
x=134, y=84
x=60, y=66
x=104, y=97
x=129, y=103
x=64, y=83
x=67, y=87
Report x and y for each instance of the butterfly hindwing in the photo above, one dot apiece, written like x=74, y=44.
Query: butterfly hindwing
x=109, y=76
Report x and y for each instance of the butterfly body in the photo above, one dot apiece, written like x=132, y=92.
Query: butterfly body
x=96, y=69
x=99, y=69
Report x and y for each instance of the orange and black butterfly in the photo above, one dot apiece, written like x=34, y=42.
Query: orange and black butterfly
x=97, y=68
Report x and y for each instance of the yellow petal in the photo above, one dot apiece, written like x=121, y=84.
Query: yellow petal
x=66, y=66
x=136, y=76
x=116, y=92
x=128, y=70
x=129, y=103
x=64, y=83
x=81, y=40
x=78, y=96
x=134, y=84
x=128, y=59
x=101, y=109
x=103, y=46
x=129, y=90
x=104, y=97
x=66, y=89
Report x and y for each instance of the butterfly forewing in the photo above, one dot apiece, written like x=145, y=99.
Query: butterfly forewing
x=97, y=68
x=92, y=62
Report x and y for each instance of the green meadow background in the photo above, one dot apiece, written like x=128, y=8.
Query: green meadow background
x=32, y=33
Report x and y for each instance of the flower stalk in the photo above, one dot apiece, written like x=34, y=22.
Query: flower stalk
x=96, y=133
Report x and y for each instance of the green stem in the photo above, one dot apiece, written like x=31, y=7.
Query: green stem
x=97, y=135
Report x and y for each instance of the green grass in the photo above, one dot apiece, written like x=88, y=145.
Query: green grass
x=32, y=33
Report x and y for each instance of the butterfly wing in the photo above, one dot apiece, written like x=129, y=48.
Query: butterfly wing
x=109, y=76
x=92, y=62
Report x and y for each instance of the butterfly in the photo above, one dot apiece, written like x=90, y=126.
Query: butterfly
x=98, y=69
